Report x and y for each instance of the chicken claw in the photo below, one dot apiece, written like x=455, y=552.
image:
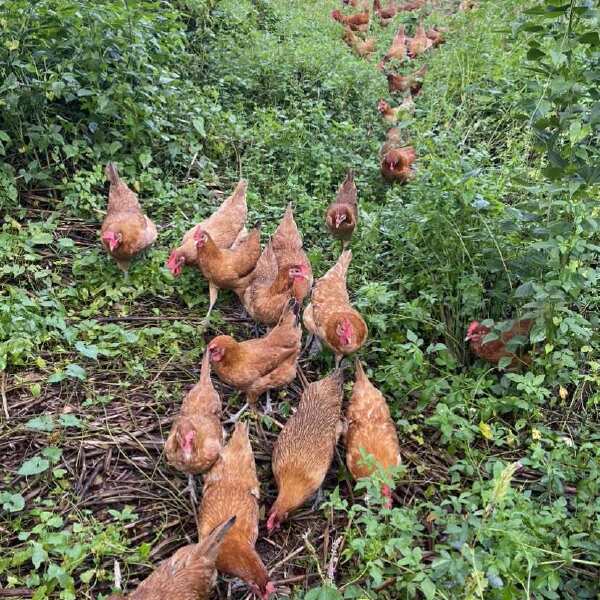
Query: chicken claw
x=235, y=418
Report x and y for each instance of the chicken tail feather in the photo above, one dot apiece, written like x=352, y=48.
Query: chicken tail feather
x=211, y=544
x=112, y=174
x=205, y=369
x=360, y=372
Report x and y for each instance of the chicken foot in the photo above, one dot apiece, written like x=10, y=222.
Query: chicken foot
x=268, y=405
x=234, y=418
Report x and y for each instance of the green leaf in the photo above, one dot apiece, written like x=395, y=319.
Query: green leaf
x=324, y=592
x=34, y=466
x=591, y=38
x=145, y=159
x=56, y=521
x=198, y=124
x=41, y=239
x=486, y=431
x=578, y=132
x=428, y=588
x=69, y=420
x=12, y=502
x=53, y=453
x=66, y=242
x=39, y=555
x=504, y=362
x=558, y=58
x=41, y=423
x=74, y=371
x=87, y=576
x=90, y=351
x=57, y=377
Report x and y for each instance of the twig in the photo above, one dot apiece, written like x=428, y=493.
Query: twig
x=3, y=393
x=16, y=593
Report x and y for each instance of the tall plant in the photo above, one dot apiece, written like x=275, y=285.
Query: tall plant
x=564, y=111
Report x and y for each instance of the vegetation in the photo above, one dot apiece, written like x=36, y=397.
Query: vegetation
x=499, y=494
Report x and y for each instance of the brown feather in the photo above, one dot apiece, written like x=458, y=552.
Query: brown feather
x=304, y=449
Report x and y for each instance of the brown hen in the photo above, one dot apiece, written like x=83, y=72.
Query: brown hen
x=385, y=14
x=126, y=230
x=304, y=449
x=370, y=430
x=356, y=22
x=189, y=574
x=405, y=83
x=282, y=272
x=225, y=226
x=330, y=316
x=231, y=488
x=392, y=114
x=397, y=158
x=495, y=350
x=342, y=215
x=418, y=44
x=196, y=437
x=226, y=268
x=363, y=48
x=262, y=364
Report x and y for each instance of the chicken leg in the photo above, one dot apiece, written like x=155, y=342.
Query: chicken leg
x=191, y=487
x=268, y=405
x=213, y=293
x=318, y=499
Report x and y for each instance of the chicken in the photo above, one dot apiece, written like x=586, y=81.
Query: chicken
x=392, y=115
x=356, y=22
x=467, y=5
x=225, y=226
x=227, y=268
x=282, y=272
x=126, y=230
x=304, y=449
x=342, y=215
x=396, y=158
x=262, y=364
x=436, y=36
x=414, y=5
x=398, y=48
x=362, y=48
x=231, y=488
x=189, y=574
x=385, y=14
x=418, y=44
x=495, y=350
x=360, y=4
x=370, y=430
x=196, y=437
x=330, y=316
x=404, y=83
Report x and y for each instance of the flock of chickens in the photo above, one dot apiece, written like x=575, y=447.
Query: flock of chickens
x=272, y=285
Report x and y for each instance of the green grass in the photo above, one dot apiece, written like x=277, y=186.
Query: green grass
x=186, y=97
